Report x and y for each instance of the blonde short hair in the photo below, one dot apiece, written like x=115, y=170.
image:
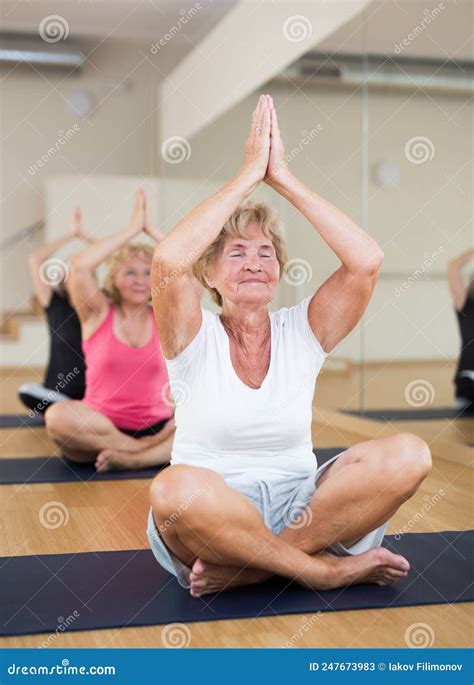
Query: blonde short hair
x=116, y=261
x=259, y=213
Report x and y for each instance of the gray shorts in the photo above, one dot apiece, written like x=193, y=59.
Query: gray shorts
x=280, y=505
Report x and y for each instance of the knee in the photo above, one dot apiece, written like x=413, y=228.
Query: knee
x=411, y=460
x=183, y=491
x=59, y=420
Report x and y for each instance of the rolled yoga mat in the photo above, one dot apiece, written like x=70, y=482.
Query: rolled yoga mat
x=118, y=589
x=412, y=414
x=59, y=470
x=20, y=421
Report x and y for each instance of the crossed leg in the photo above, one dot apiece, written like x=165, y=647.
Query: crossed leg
x=86, y=436
x=222, y=537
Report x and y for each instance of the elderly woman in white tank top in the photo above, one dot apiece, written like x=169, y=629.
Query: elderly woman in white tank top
x=244, y=498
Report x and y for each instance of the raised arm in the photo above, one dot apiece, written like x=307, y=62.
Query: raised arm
x=456, y=286
x=42, y=287
x=175, y=299
x=87, y=297
x=339, y=303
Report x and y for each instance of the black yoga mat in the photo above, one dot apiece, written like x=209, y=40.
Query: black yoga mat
x=20, y=421
x=412, y=414
x=129, y=588
x=60, y=470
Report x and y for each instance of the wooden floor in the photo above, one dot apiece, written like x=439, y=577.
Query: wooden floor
x=112, y=516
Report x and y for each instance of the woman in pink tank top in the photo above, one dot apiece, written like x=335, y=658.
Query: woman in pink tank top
x=125, y=419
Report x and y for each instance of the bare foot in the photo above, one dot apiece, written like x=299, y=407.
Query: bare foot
x=112, y=460
x=377, y=565
x=206, y=577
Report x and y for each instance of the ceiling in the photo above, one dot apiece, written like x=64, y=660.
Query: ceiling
x=120, y=19
x=390, y=21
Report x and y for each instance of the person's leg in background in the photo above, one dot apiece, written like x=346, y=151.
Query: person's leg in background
x=82, y=434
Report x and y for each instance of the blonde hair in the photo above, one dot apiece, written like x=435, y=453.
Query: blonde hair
x=259, y=213
x=116, y=261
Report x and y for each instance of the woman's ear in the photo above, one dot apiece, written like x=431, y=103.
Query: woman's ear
x=208, y=278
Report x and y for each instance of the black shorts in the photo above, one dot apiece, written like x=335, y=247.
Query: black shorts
x=151, y=430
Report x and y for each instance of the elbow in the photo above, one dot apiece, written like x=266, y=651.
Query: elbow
x=374, y=263
x=378, y=260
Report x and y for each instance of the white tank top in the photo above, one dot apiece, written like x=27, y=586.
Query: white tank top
x=224, y=425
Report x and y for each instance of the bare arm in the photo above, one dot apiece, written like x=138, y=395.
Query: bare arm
x=456, y=286
x=87, y=297
x=175, y=299
x=43, y=287
x=339, y=303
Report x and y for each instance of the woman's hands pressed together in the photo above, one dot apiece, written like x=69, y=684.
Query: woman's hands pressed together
x=277, y=168
x=264, y=150
x=257, y=146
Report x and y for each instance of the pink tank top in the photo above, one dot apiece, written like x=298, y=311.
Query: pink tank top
x=125, y=383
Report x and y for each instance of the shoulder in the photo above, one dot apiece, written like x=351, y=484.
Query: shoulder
x=294, y=321
x=296, y=315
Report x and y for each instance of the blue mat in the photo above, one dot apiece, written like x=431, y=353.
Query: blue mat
x=20, y=421
x=59, y=470
x=434, y=414
x=117, y=589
